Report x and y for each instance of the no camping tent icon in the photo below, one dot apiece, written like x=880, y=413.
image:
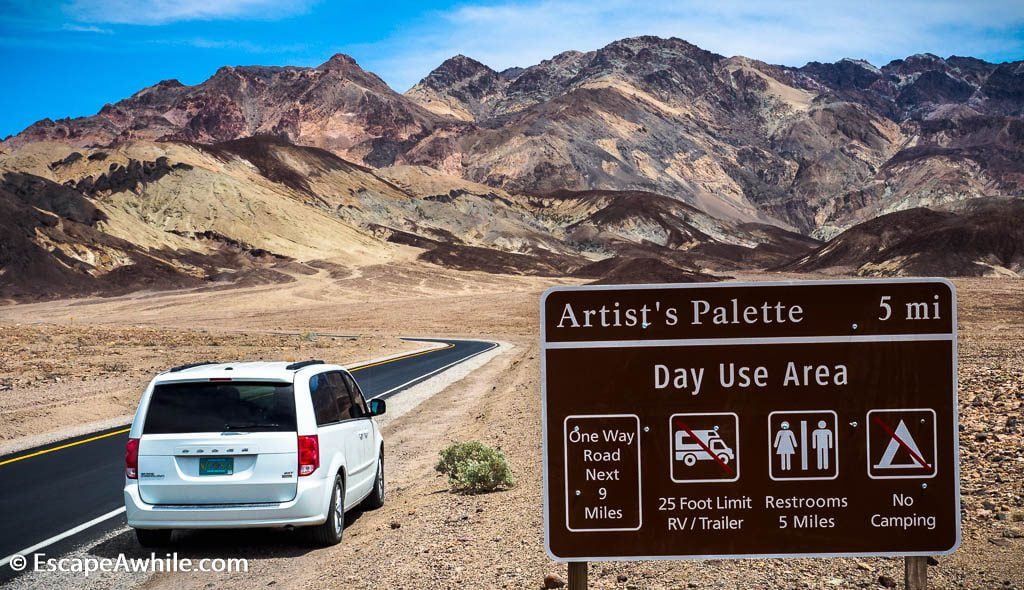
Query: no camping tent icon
x=901, y=443
x=901, y=438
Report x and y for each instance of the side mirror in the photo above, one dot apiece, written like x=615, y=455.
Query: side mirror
x=377, y=407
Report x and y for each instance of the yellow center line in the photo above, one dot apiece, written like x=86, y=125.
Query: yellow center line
x=399, y=358
x=52, y=449
x=385, y=361
x=124, y=430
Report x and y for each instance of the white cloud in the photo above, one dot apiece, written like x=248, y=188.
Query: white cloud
x=85, y=29
x=790, y=32
x=158, y=12
x=246, y=46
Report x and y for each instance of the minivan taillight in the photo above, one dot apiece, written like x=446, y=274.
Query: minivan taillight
x=131, y=459
x=309, y=454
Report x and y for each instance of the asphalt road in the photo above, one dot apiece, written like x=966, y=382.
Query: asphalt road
x=72, y=482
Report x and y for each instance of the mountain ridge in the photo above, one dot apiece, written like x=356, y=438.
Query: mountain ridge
x=811, y=148
x=647, y=155
x=177, y=214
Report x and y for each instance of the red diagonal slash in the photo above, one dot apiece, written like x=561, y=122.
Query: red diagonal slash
x=890, y=432
x=727, y=469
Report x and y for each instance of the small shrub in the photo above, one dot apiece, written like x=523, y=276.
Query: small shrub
x=474, y=467
x=310, y=336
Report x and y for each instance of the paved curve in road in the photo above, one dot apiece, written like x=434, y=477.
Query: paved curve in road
x=50, y=490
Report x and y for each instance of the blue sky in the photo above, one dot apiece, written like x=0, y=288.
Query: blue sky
x=69, y=57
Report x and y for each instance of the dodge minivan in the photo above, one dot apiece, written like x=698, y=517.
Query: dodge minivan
x=254, y=444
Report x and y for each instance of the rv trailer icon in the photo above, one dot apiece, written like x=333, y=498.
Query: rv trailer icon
x=701, y=445
x=704, y=447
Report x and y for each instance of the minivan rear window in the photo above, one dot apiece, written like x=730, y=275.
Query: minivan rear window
x=219, y=407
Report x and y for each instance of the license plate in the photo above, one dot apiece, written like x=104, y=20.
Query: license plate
x=216, y=465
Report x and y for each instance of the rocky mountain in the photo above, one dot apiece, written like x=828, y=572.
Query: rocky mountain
x=981, y=237
x=46, y=228
x=337, y=106
x=467, y=89
x=818, y=148
x=166, y=214
x=462, y=88
x=815, y=149
x=648, y=153
x=923, y=86
x=160, y=215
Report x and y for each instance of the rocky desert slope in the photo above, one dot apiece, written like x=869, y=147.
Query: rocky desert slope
x=648, y=149
x=173, y=214
x=982, y=237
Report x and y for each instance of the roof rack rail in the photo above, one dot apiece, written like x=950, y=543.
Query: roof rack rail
x=189, y=366
x=300, y=364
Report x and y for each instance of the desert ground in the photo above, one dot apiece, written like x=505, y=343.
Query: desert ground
x=71, y=364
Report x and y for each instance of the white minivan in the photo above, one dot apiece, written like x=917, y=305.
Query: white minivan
x=255, y=444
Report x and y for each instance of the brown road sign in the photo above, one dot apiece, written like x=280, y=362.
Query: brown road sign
x=814, y=418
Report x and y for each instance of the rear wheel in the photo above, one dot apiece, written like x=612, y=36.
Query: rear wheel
x=153, y=537
x=329, y=533
x=376, y=498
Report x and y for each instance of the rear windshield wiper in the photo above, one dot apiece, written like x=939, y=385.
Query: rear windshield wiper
x=250, y=426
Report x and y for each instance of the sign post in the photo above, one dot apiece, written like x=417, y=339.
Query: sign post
x=577, y=575
x=728, y=420
x=915, y=573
